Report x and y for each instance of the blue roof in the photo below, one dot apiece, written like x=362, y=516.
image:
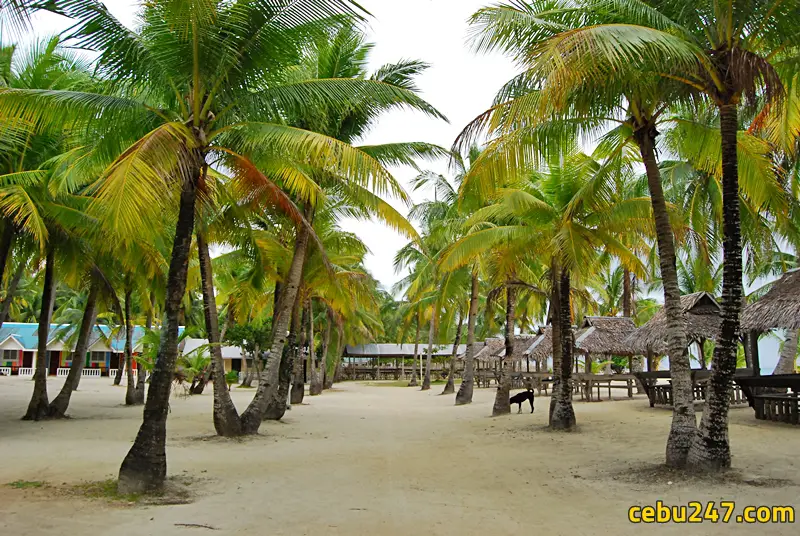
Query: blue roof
x=27, y=334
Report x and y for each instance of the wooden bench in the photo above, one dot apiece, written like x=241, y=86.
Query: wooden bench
x=586, y=383
x=769, y=405
x=661, y=393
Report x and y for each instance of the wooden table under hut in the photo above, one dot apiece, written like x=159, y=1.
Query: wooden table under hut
x=603, y=337
x=775, y=397
x=702, y=315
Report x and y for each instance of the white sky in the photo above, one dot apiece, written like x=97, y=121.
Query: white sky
x=460, y=83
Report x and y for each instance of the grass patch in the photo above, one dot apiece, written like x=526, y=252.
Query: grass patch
x=26, y=484
x=174, y=492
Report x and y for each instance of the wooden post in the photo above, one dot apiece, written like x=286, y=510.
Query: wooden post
x=649, y=361
x=630, y=364
x=752, y=339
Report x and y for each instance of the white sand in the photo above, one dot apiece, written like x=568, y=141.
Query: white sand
x=377, y=461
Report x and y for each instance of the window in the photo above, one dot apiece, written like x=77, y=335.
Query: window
x=9, y=356
x=98, y=357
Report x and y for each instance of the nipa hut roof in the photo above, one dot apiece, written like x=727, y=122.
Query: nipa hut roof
x=605, y=335
x=702, y=313
x=491, y=349
x=778, y=308
x=521, y=343
x=479, y=345
x=542, y=346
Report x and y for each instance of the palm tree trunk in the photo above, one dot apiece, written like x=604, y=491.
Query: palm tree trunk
x=315, y=382
x=130, y=391
x=555, y=321
x=11, y=290
x=326, y=342
x=501, y=403
x=337, y=364
x=563, y=416
x=277, y=406
x=413, y=382
x=38, y=407
x=6, y=244
x=298, y=377
x=59, y=405
x=145, y=466
x=710, y=449
x=269, y=380
x=226, y=418
x=464, y=395
x=450, y=386
x=426, y=381
x=683, y=421
x=627, y=297
x=141, y=373
x=788, y=358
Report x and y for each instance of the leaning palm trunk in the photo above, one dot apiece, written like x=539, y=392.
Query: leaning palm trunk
x=563, y=414
x=788, y=358
x=683, y=420
x=118, y=373
x=145, y=466
x=277, y=406
x=38, y=407
x=426, y=381
x=413, y=382
x=226, y=418
x=464, y=395
x=269, y=378
x=130, y=391
x=450, y=386
x=710, y=449
x=59, y=405
x=501, y=402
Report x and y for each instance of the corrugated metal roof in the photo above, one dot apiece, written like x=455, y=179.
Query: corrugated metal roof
x=228, y=352
x=399, y=350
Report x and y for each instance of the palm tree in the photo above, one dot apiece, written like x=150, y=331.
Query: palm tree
x=563, y=216
x=208, y=99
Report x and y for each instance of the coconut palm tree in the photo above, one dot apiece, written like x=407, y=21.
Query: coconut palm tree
x=198, y=85
x=564, y=216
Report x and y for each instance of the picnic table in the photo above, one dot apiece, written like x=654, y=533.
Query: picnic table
x=764, y=396
x=586, y=383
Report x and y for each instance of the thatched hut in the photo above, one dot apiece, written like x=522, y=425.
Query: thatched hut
x=702, y=314
x=540, y=348
x=492, y=347
x=604, y=336
x=778, y=308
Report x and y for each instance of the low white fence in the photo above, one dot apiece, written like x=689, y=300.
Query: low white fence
x=113, y=374
x=91, y=373
x=5, y=371
x=26, y=371
x=62, y=372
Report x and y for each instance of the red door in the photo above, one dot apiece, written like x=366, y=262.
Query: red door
x=27, y=359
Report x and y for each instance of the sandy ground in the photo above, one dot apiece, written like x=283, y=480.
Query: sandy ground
x=373, y=460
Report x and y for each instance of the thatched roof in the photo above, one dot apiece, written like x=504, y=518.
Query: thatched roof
x=479, y=345
x=702, y=314
x=542, y=346
x=605, y=335
x=521, y=343
x=778, y=308
x=493, y=347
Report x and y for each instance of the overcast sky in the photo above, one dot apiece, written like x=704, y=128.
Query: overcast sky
x=460, y=83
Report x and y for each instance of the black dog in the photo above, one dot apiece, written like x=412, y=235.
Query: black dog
x=521, y=397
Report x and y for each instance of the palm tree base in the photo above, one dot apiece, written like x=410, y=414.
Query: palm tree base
x=298, y=392
x=464, y=395
x=449, y=387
